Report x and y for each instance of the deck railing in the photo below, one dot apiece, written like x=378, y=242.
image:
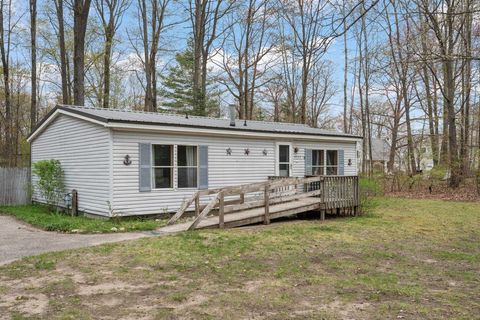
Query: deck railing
x=247, y=196
x=337, y=191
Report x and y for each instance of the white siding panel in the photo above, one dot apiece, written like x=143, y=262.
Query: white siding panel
x=83, y=151
x=224, y=170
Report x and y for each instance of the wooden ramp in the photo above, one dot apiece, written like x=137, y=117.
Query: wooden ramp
x=251, y=216
x=260, y=202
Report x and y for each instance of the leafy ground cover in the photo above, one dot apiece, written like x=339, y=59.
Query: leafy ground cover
x=42, y=217
x=411, y=259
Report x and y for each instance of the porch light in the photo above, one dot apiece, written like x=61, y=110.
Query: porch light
x=229, y=151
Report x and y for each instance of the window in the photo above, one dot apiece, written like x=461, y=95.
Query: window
x=332, y=162
x=318, y=162
x=324, y=162
x=162, y=166
x=185, y=169
x=187, y=166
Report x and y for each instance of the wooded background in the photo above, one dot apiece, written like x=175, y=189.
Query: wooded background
x=408, y=71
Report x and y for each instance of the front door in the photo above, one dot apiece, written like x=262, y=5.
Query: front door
x=284, y=159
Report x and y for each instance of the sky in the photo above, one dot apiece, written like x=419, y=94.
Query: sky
x=176, y=41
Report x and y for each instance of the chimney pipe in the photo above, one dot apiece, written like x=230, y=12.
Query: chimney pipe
x=232, y=112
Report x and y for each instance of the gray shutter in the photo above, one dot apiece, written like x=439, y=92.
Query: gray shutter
x=341, y=163
x=145, y=167
x=308, y=162
x=203, y=167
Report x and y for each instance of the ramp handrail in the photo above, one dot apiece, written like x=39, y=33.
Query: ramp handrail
x=265, y=187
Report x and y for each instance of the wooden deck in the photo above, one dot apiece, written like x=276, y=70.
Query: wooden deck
x=272, y=199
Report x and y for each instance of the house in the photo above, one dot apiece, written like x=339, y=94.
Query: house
x=138, y=163
x=380, y=154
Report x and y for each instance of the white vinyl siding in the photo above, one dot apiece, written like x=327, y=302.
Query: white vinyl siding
x=83, y=151
x=223, y=169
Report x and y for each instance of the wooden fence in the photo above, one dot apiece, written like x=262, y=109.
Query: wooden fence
x=14, y=186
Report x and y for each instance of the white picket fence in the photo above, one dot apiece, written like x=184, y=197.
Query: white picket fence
x=14, y=186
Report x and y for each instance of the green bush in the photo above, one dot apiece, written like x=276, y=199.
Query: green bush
x=50, y=182
x=369, y=189
x=438, y=173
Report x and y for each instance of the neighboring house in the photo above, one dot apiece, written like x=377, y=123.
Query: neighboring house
x=137, y=163
x=380, y=154
x=424, y=157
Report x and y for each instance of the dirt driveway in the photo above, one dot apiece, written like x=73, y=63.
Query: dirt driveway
x=18, y=240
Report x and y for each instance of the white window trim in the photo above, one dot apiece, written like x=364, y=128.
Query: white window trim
x=174, y=167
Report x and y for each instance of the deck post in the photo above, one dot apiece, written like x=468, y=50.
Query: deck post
x=197, y=205
x=221, y=218
x=322, y=214
x=267, y=204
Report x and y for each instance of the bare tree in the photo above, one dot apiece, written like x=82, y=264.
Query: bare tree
x=205, y=17
x=443, y=17
x=33, y=49
x=5, y=42
x=345, y=69
x=81, y=9
x=430, y=96
x=111, y=13
x=152, y=23
x=321, y=91
x=304, y=19
x=401, y=66
x=64, y=69
x=243, y=52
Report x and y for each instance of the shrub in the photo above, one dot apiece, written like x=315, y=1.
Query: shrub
x=50, y=182
x=369, y=188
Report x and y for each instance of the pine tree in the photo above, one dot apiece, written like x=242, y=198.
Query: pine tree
x=178, y=86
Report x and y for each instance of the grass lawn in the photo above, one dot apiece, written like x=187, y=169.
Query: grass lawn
x=42, y=217
x=411, y=259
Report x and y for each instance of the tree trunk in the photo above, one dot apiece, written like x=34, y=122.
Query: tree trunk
x=33, y=48
x=345, y=72
x=466, y=79
x=81, y=9
x=107, y=57
x=454, y=163
x=4, y=44
x=198, y=40
x=65, y=75
x=430, y=109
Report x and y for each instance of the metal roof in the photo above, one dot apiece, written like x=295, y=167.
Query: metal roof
x=154, y=118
